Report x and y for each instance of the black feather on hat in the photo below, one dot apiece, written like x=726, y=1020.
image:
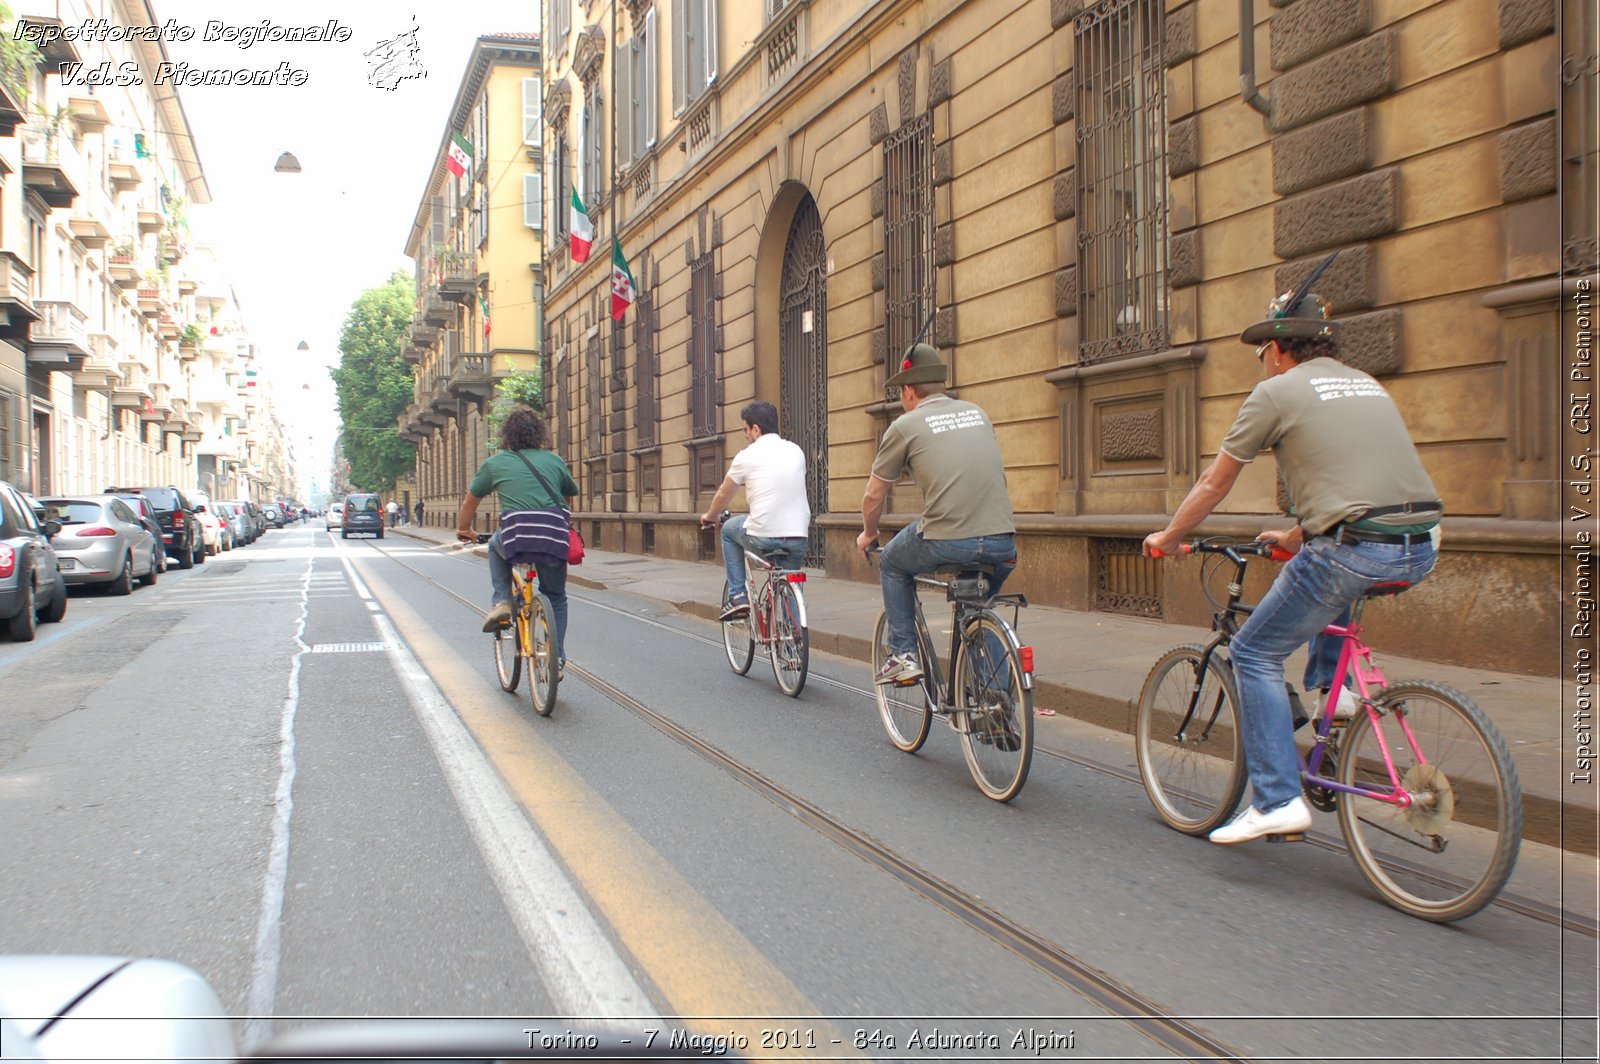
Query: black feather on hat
x=921, y=365
x=1299, y=314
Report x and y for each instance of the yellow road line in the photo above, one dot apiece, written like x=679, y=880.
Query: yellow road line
x=701, y=963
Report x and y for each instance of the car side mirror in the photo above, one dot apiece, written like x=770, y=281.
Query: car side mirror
x=199, y=509
x=52, y=528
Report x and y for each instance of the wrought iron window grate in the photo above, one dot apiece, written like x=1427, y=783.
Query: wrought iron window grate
x=594, y=412
x=1125, y=581
x=702, y=346
x=908, y=235
x=1123, y=285
x=644, y=369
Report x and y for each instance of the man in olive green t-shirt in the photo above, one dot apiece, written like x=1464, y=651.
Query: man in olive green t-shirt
x=949, y=448
x=1366, y=508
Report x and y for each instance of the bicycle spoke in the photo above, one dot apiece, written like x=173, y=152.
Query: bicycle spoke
x=998, y=735
x=1448, y=853
x=1193, y=773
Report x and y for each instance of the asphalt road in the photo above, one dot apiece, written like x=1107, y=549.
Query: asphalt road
x=293, y=769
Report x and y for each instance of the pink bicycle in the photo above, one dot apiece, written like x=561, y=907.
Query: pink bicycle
x=1425, y=790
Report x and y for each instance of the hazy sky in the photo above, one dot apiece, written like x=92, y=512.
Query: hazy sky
x=301, y=247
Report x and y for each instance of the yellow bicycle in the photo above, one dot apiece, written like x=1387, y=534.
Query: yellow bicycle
x=530, y=636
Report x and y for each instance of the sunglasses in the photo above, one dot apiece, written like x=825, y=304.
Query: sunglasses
x=1261, y=352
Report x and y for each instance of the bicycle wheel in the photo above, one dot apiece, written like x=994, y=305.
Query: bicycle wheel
x=1194, y=780
x=736, y=640
x=790, y=643
x=1448, y=854
x=544, y=669
x=998, y=737
x=906, y=712
x=507, y=658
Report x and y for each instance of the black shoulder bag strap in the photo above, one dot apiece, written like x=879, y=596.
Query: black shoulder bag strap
x=560, y=500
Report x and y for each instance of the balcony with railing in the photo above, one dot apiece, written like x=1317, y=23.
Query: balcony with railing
x=470, y=378
x=160, y=402
x=152, y=300
x=91, y=217
x=99, y=372
x=457, y=275
x=16, y=295
x=49, y=162
x=124, y=171
x=133, y=392
x=60, y=338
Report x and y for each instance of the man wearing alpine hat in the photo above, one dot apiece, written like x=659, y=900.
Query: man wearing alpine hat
x=949, y=449
x=1366, y=511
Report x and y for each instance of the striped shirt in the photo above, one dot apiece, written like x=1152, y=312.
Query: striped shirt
x=535, y=537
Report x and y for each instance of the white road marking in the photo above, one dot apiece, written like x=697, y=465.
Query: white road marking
x=269, y=926
x=580, y=967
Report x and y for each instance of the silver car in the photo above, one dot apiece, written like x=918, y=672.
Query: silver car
x=102, y=541
x=243, y=528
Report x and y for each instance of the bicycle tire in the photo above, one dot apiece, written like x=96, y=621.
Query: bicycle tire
x=998, y=738
x=1195, y=785
x=544, y=670
x=737, y=642
x=1468, y=798
x=507, y=657
x=906, y=712
x=790, y=650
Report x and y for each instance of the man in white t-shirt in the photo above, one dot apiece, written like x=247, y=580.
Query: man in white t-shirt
x=772, y=471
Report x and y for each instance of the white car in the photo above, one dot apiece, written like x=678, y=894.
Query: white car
x=90, y=1008
x=334, y=516
x=214, y=529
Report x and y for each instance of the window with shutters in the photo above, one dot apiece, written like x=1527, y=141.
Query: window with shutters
x=532, y=111
x=694, y=50
x=560, y=19
x=702, y=347
x=644, y=368
x=560, y=189
x=591, y=147
x=533, y=200
x=636, y=91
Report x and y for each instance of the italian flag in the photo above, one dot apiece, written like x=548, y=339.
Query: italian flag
x=483, y=308
x=459, y=156
x=582, y=230
x=622, y=290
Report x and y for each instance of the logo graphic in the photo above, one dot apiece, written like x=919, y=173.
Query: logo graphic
x=395, y=60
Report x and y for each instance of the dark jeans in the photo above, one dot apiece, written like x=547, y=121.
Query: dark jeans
x=552, y=585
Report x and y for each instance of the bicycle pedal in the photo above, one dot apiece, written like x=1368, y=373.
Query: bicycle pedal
x=1293, y=836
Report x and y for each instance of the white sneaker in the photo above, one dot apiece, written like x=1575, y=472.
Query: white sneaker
x=1347, y=706
x=1252, y=824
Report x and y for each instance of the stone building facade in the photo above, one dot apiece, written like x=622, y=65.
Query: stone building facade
x=1082, y=207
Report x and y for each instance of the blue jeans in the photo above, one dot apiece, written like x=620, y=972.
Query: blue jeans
x=552, y=585
x=1315, y=589
x=734, y=542
x=908, y=554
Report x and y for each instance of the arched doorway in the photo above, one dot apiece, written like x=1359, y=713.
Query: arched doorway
x=803, y=358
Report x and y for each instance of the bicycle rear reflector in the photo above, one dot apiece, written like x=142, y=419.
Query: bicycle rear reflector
x=795, y=578
x=1026, y=654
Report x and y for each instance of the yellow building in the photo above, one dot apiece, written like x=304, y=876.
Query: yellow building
x=476, y=242
x=1083, y=209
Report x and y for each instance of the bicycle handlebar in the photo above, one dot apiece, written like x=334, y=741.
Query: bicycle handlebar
x=1262, y=548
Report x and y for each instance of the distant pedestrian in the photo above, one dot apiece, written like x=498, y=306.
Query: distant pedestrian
x=393, y=510
x=419, y=511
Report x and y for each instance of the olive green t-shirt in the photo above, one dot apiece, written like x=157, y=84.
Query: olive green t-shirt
x=1340, y=442
x=519, y=489
x=950, y=450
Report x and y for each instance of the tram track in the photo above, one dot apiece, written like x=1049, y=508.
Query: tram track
x=969, y=909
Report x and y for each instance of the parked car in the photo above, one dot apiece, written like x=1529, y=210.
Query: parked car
x=335, y=516
x=243, y=528
x=31, y=587
x=180, y=528
x=258, y=520
x=362, y=513
x=274, y=516
x=147, y=517
x=102, y=541
x=213, y=531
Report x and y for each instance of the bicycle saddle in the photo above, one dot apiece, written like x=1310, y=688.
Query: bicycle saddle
x=1391, y=587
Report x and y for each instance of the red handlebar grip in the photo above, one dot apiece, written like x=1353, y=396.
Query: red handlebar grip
x=1278, y=554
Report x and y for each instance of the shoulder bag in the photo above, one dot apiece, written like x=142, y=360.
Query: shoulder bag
x=574, y=538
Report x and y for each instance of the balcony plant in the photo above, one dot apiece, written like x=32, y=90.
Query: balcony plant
x=122, y=250
x=519, y=388
x=193, y=335
x=18, y=59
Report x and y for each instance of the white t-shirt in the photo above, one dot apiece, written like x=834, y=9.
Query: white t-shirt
x=773, y=473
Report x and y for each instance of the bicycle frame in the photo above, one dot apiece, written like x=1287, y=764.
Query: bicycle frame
x=961, y=611
x=761, y=598
x=1355, y=660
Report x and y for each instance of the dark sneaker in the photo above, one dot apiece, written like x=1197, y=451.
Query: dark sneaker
x=735, y=609
x=498, y=617
x=995, y=725
x=901, y=670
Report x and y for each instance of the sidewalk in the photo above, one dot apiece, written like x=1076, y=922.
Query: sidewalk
x=1092, y=665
